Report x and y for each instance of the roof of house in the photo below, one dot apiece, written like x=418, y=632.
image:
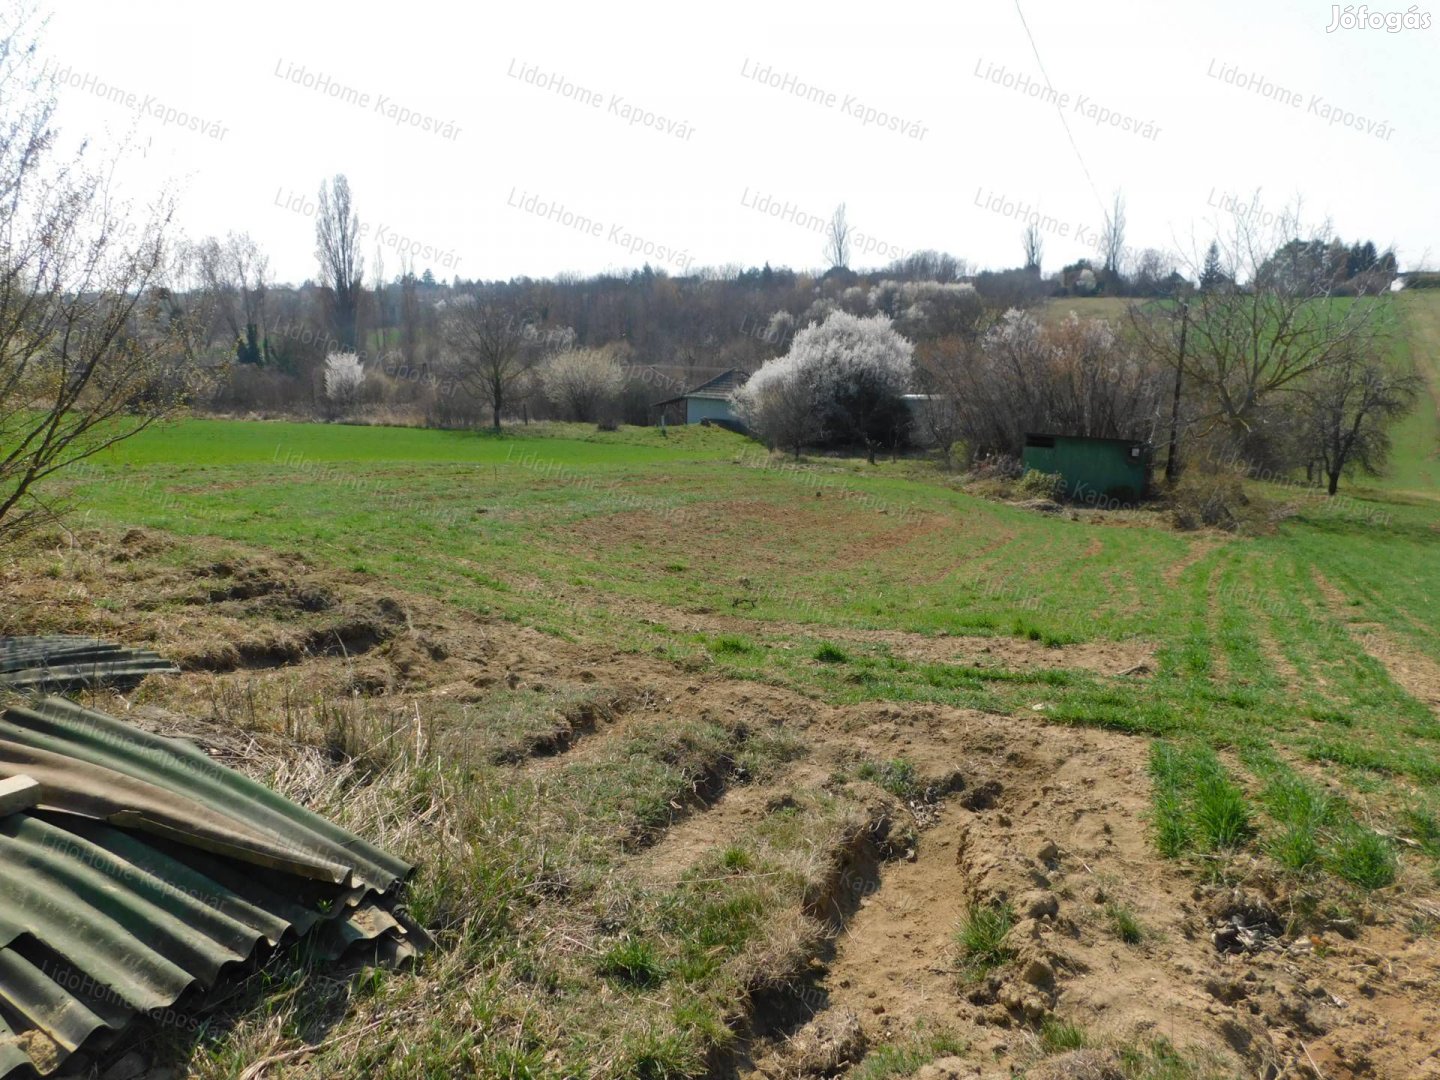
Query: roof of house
x=719, y=388
x=135, y=872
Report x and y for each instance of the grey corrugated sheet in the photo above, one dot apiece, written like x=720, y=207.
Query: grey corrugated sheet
x=62, y=662
x=147, y=869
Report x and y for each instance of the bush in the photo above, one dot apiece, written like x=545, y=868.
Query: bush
x=248, y=388
x=1209, y=498
x=1040, y=485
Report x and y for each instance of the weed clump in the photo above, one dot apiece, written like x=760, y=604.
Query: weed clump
x=633, y=962
x=1363, y=857
x=1058, y=1036
x=1123, y=921
x=981, y=939
x=898, y=777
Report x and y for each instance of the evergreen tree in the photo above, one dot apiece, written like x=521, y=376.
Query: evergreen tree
x=1212, y=276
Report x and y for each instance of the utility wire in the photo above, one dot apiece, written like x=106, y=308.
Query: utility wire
x=1104, y=214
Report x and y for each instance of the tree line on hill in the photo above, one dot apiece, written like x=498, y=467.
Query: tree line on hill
x=109, y=321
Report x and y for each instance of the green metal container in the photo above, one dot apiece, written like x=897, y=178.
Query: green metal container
x=1100, y=472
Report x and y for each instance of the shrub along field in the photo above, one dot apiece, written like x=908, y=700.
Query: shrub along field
x=716, y=764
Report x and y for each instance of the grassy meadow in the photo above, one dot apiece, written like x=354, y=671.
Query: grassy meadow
x=1279, y=683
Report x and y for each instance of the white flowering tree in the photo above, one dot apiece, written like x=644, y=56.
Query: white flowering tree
x=343, y=377
x=580, y=383
x=842, y=379
x=781, y=404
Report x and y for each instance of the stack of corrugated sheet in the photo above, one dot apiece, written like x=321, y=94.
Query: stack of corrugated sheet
x=135, y=871
x=63, y=663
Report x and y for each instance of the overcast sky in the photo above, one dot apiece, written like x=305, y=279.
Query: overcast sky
x=656, y=132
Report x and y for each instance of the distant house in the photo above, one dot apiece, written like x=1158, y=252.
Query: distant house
x=710, y=401
x=1105, y=471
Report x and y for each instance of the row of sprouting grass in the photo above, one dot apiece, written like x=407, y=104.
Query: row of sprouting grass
x=1200, y=809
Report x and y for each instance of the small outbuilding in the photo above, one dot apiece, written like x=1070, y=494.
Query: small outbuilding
x=711, y=400
x=1108, y=472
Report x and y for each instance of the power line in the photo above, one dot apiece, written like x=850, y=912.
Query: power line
x=1061, y=113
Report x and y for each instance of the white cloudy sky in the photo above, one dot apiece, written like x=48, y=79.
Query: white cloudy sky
x=452, y=62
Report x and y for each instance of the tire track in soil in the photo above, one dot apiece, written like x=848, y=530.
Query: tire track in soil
x=1417, y=674
x=896, y=963
x=1067, y=837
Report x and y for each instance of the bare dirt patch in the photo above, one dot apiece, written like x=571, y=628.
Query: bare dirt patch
x=1062, y=837
x=1131, y=657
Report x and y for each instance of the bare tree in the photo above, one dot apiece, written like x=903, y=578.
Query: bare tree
x=1154, y=274
x=1269, y=334
x=487, y=337
x=227, y=281
x=409, y=316
x=1112, y=237
x=837, y=240
x=1034, y=248
x=250, y=269
x=1079, y=377
x=937, y=375
x=89, y=354
x=1345, y=409
x=211, y=269
x=342, y=267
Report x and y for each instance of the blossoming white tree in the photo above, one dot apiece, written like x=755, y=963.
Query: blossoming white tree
x=843, y=379
x=582, y=382
x=781, y=404
x=343, y=376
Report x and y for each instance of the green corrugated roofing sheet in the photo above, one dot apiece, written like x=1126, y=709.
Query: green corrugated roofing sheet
x=60, y=663
x=145, y=870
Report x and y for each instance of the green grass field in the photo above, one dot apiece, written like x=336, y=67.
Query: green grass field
x=1277, y=683
x=588, y=536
